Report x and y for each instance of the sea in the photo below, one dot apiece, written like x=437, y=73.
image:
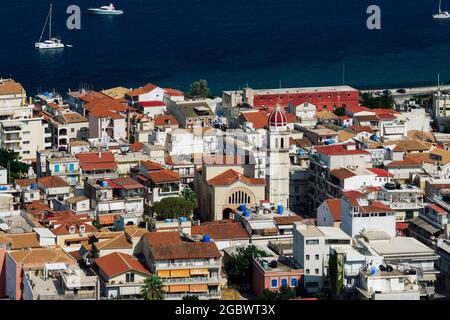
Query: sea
x=230, y=43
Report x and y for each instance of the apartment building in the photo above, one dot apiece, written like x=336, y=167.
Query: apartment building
x=186, y=268
x=21, y=131
x=312, y=250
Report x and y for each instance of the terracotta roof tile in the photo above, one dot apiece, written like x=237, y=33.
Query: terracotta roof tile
x=231, y=176
x=221, y=231
x=52, y=182
x=185, y=250
x=118, y=263
x=335, y=208
x=162, y=238
x=164, y=175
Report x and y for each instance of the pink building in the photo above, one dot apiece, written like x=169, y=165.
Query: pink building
x=273, y=273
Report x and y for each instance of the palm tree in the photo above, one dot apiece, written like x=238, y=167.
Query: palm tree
x=153, y=288
x=188, y=194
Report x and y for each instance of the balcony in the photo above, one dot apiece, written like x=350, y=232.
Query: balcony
x=163, y=266
x=170, y=281
x=11, y=138
x=205, y=295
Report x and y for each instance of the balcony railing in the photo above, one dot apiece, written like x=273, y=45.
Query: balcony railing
x=80, y=296
x=191, y=280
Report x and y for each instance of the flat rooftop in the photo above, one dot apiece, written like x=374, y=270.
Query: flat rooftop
x=401, y=246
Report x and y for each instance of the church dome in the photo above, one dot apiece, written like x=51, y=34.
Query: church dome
x=277, y=118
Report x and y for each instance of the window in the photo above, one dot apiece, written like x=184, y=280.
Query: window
x=26, y=132
x=284, y=282
x=307, y=257
x=72, y=130
x=129, y=277
x=317, y=257
x=294, y=282
x=312, y=242
x=349, y=281
x=26, y=142
x=274, y=283
x=311, y=285
x=316, y=271
x=307, y=271
x=72, y=167
x=56, y=167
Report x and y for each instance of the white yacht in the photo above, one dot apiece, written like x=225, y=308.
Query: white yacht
x=51, y=42
x=441, y=14
x=110, y=10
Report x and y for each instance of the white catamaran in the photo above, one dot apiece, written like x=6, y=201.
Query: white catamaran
x=51, y=43
x=441, y=14
x=106, y=10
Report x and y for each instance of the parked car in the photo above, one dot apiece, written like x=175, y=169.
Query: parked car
x=401, y=90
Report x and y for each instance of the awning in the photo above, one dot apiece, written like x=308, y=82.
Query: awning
x=164, y=273
x=262, y=225
x=179, y=288
x=199, y=272
x=428, y=277
x=181, y=273
x=198, y=288
x=106, y=219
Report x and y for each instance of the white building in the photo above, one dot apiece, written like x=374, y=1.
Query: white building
x=361, y=214
x=311, y=252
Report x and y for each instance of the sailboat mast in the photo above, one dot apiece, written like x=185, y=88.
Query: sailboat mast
x=50, y=24
x=439, y=6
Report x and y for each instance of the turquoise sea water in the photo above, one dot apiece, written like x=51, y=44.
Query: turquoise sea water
x=229, y=43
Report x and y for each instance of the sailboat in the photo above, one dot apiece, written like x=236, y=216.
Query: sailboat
x=51, y=43
x=441, y=14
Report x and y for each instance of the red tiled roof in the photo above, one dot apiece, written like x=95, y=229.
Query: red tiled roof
x=24, y=183
x=286, y=220
x=356, y=109
x=375, y=206
x=142, y=90
x=52, y=182
x=106, y=103
x=145, y=104
x=164, y=175
x=67, y=220
x=258, y=119
x=338, y=150
x=173, y=92
x=162, y=238
x=151, y=166
x=291, y=118
x=137, y=146
x=404, y=163
x=101, y=113
x=118, y=263
x=231, y=176
x=90, y=161
x=380, y=172
x=221, y=231
x=342, y=173
x=185, y=250
x=335, y=208
x=165, y=119
x=359, y=129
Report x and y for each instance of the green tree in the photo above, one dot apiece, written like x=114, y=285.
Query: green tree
x=153, y=288
x=173, y=208
x=336, y=273
x=199, y=90
x=447, y=128
x=340, y=111
x=385, y=101
x=189, y=195
x=239, y=269
x=190, y=297
x=17, y=168
x=285, y=293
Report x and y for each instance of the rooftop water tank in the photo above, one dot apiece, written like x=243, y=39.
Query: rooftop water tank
x=33, y=186
x=280, y=209
x=206, y=238
x=265, y=264
x=104, y=183
x=246, y=213
x=242, y=207
x=183, y=219
x=373, y=271
x=167, y=220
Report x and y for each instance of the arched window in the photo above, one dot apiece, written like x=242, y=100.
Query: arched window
x=282, y=142
x=276, y=143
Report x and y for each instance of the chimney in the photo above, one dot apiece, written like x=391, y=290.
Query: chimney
x=99, y=155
